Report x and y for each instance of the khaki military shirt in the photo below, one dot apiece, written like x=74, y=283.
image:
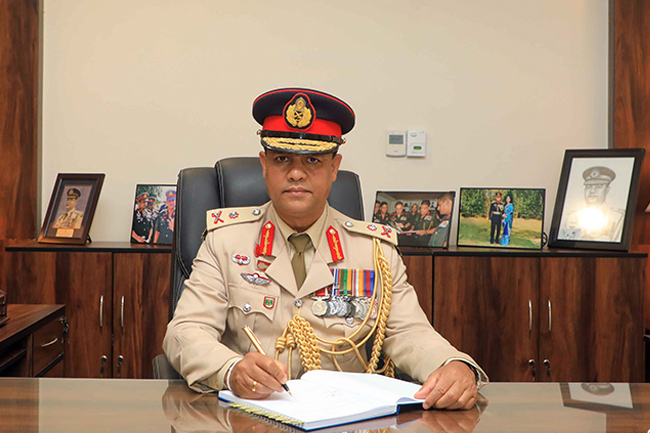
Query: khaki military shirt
x=231, y=287
x=69, y=219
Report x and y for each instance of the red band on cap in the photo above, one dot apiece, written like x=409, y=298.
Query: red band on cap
x=319, y=126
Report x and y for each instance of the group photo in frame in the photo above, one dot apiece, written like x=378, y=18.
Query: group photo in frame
x=154, y=211
x=420, y=219
x=501, y=217
x=72, y=208
x=596, y=199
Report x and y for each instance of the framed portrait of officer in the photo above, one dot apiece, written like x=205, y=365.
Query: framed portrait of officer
x=596, y=199
x=71, y=208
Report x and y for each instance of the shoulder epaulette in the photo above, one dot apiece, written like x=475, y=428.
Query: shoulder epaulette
x=216, y=218
x=379, y=231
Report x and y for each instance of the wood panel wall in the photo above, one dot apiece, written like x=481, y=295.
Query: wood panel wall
x=630, y=20
x=19, y=99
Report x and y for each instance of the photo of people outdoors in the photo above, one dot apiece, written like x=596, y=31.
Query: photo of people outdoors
x=501, y=217
x=421, y=219
x=153, y=214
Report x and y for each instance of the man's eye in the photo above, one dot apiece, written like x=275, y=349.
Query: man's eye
x=281, y=159
x=313, y=160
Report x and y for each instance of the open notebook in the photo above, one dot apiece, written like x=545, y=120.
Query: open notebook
x=328, y=398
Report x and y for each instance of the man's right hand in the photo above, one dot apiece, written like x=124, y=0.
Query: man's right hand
x=257, y=376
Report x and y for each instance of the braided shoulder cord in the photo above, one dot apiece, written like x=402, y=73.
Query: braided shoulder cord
x=301, y=332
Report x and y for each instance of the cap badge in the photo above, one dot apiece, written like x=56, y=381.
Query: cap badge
x=299, y=113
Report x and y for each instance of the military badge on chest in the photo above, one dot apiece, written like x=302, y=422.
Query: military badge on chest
x=351, y=295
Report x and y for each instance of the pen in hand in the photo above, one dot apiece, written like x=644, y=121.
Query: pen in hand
x=249, y=333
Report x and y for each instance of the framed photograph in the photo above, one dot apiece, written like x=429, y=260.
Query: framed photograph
x=501, y=217
x=71, y=209
x=154, y=210
x=421, y=219
x=596, y=199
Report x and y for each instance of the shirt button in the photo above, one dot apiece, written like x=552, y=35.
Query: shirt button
x=247, y=307
x=348, y=224
x=298, y=303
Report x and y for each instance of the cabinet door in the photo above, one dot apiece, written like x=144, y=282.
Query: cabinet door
x=141, y=310
x=594, y=329
x=487, y=307
x=81, y=281
x=420, y=275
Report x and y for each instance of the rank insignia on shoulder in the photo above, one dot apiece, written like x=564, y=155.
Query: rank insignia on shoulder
x=216, y=218
x=375, y=230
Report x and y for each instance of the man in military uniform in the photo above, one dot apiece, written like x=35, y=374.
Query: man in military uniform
x=302, y=276
x=71, y=218
x=494, y=215
x=164, y=225
x=440, y=236
x=142, y=227
x=382, y=217
x=595, y=220
x=424, y=224
x=399, y=219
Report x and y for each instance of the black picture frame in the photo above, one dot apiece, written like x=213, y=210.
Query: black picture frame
x=71, y=226
x=579, y=221
x=154, y=225
x=440, y=223
x=476, y=228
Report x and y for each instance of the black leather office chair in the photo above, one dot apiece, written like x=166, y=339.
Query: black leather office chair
x=233, y=182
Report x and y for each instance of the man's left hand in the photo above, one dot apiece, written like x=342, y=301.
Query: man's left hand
x=452, y=386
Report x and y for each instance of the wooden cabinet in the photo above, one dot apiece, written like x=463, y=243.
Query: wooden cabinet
x=32, y=341
x=116, y=296
x=566, y=316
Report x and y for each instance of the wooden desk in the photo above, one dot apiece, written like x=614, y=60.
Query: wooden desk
x=32, y=341
x=93, y=405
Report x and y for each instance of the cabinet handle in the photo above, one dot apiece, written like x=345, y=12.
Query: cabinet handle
x=549, y=316
x=530, y=316
x=50, y=343
x=122, y=313
x=120, y=360
x=531, y=362
x=547, y=363
x=101, y=312
x=101, y=368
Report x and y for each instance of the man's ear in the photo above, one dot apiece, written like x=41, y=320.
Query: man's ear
x=336, y=164
x=263, y=162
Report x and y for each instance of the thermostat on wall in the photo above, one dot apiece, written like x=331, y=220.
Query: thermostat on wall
x=417, y=143
x=395, y=143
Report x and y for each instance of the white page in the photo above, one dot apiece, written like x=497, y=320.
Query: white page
x=389, y=390
x=311, y=402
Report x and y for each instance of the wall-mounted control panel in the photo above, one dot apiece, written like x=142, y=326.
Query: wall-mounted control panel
x=395, y=143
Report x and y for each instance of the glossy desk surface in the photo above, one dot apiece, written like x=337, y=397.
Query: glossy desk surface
x=111, y=405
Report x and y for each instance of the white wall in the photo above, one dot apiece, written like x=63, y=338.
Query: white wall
x=139, y=89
